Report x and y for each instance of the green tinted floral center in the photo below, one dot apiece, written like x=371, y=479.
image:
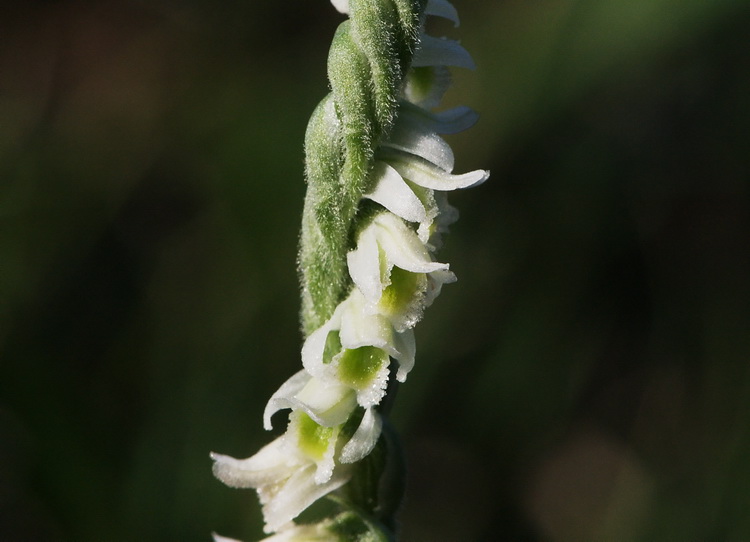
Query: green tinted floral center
x=422, y=80
x=313, y=438
x=359, y=366
x=400, y=292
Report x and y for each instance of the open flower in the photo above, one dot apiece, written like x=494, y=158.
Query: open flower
x=329, y=404
x=354, y=348
x=283, y=473
x=394, y=271
x=414, y=165
x=407, y=170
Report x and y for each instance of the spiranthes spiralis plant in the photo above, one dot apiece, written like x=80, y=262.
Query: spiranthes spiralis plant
x=377, y=175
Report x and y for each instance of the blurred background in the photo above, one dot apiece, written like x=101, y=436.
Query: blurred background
x=587, y=378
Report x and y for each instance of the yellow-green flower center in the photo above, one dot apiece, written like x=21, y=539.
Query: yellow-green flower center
x=357, y=367
x=313, y=438
x=401, y=291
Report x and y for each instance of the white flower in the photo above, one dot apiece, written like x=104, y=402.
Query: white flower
x=347, y=359
x=328, y=403
x=286, y=472
x=394, y=271
x=354, y=348
x=415, y=164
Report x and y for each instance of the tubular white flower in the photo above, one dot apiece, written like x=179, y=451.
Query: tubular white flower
x=284, y=477
x=415, y=163
x=353, y=349
x=441, y=52
x=330, y=403
x=424, y=173
x=393, y=269
x=410, y=135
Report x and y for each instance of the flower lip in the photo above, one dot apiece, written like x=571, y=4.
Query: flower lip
x=387, y=242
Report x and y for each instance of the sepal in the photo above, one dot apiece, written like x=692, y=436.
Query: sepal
x=393, y=269
x=441, y=52
x=438, y=8
x=283, y=477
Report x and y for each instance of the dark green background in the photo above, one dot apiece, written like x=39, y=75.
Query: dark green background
x=588, y=377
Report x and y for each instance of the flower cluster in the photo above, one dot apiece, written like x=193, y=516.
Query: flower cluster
x=393, y=276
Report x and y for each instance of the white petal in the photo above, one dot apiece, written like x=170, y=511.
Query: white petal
x=364, y=439
x=271, y=464
x=299, y=492
x=435, y=283
x=415, y=138
x=314, y=347
x=360, y=328
x=395, y=195
x=448, y=214
x=328, y=403
x=283, y=398
x=408, y=350
x=441, y=52
x=425, y=174
x=450, y=121
x=364, y=264
x=442, y=8
x=403, y=247
x=341, y=5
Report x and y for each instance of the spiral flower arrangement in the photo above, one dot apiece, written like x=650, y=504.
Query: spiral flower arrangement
x=377, y=174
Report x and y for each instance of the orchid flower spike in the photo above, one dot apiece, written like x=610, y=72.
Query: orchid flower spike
x=378, y=173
